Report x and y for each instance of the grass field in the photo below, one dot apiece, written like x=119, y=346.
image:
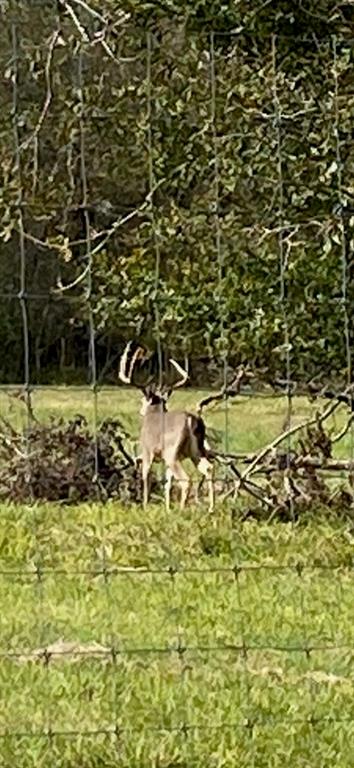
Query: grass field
x=199, y=642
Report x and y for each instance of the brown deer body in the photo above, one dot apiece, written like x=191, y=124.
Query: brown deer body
x=170, y=436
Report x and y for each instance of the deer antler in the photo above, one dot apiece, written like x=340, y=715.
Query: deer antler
x=137, y=355
x=123, y=365
x=182, y=372
x=126, y=369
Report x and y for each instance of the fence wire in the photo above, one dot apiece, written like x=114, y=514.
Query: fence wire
x=239, y=577
x=341, y=208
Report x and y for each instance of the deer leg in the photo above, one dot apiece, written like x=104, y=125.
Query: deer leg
x=146, y=464
x=207, y=469
x=199, y=484
x=184, y=481
x=168, y=484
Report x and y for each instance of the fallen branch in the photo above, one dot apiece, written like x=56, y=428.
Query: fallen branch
x=317, y=419
x=283, y=461
x=249, y=485
x=343, y=431
x=228, y=390
x=314, y=390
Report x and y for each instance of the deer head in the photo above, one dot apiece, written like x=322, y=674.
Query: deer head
x=154, y=395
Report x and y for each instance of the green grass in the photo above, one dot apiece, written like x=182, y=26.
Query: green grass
x=228, y=644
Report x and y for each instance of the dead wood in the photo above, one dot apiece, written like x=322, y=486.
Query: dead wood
x=228, y=390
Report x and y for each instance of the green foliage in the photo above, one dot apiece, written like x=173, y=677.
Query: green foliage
x=229, y=112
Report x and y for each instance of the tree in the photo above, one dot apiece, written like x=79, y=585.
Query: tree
x=199, y=159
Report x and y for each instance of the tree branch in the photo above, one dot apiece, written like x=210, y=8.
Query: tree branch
x=318, y=418
x=336, y=438
x=53, y=40
x=228, y=390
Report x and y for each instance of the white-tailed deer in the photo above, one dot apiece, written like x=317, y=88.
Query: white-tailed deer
x=168, y=436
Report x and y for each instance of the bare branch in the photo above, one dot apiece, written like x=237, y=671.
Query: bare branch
x=100, y=36
x=228, y=390
x=336, y=438
x=10, y=444
x=124, y=452
x=330, y=465
x=302, y=462
x=317, y=419
x=90, y=10
x=102, y=40
x=117, y=224
x=52, y=43
x=81, y=29
x=61, y=288
x=250, y=486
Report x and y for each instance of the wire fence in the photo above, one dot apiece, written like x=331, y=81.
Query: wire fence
x=302, y=608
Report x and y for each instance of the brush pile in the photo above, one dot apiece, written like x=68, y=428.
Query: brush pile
x=65, y=460
x=298, y=470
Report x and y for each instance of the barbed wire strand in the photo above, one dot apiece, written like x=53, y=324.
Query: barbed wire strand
x=141, y=571
x=56, y=296
x=47, y=655
x=265, y=720
x=249, y=394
